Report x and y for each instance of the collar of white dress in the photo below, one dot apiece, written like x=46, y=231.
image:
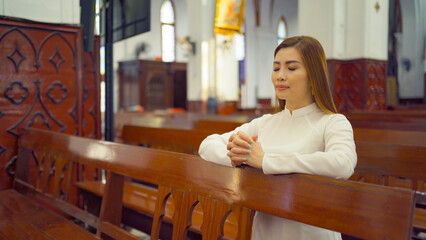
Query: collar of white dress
x=301, y=111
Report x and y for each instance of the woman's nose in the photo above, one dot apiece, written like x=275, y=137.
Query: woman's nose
x=281, y=75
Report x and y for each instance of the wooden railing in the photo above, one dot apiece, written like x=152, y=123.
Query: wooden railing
x=357, y=209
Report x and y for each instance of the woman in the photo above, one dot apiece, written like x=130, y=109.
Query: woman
x=306, y=135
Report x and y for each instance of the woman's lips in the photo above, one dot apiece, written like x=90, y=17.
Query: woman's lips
x=282, y=87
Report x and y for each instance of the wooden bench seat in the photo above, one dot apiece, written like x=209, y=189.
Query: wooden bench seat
x=362, y=210
x=23, y=218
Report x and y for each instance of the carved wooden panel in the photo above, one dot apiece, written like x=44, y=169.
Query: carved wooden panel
x=91, y=93
x=41, y=85
x=358, y=84
x=376, y=85
x=91, y=112
x=348, y=87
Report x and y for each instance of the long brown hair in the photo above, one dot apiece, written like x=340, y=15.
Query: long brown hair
x=313, y=58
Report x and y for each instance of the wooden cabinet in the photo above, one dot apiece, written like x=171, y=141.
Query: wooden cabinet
x=152, y=84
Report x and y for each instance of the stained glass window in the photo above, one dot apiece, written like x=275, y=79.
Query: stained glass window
x=282, y=30
x=168, y=40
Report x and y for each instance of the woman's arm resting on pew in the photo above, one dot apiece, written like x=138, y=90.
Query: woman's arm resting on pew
x=216, y=147
x=337, y=160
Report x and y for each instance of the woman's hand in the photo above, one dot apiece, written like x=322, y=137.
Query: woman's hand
x=240, y=145
x=245, y=149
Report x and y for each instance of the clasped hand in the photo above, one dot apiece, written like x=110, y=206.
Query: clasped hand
x=245, y=149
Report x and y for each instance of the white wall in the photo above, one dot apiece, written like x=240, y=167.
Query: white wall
x=316, y=20
x=347, y=29
x=201, y=66
x=367, y=29
x=226, y=70
x=261, y=42
x=58, y=11
x=2, y=7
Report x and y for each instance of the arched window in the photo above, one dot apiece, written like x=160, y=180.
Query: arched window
x=168, y=36
x=282, y=30
x=240, y=45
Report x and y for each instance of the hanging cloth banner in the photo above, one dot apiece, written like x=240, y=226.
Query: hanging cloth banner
x=229, y=16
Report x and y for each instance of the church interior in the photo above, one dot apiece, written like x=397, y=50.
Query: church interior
x=104, y=105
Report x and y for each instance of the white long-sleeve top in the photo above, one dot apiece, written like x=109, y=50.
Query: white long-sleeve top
x=306, y=141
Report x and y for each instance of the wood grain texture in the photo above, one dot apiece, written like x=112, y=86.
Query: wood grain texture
x=345, y=201
x=28, y=212
x=42, y=85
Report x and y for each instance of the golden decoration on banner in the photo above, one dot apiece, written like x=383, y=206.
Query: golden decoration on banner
x=229, y=16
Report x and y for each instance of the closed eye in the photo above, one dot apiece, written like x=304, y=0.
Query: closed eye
x=291, y=69
x=276, y=69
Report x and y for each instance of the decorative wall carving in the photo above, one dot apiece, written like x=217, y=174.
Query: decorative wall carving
x=41, y=84
x=51, y=95
x=376, y=86
x=16, y=57
x=358, y=84
x=11, y=92
x=56, y=59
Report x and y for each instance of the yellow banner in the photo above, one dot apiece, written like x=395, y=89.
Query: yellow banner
x=229, y=16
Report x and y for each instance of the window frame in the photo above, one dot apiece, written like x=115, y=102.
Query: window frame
x=168, y=24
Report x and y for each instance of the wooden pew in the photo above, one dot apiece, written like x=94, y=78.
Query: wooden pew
x=389, y=125
x=139, y=207
x=410, y=120
x=138, y=198
x=388, y=115
x=357, y=209
x=37, y=207
x=379, y=131
x=395, y=165
x=375, y=121
x=404, y=157
x=225, y=126
x=216, y=126
x=176, y=140
x=413, y=138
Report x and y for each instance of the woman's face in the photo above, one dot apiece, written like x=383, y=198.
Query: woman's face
x=290, y=79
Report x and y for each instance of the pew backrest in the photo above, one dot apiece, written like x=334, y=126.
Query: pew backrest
x=384, y=156
x=176, y=140
x=389, y=164
x=413, y=138
x=348, y=206
x=216, y=126
x=389, y=125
